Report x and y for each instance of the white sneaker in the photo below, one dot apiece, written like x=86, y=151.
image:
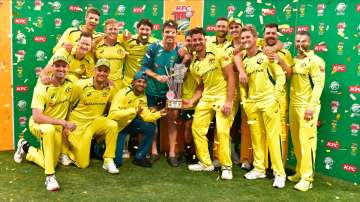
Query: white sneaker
x=216, y=163
x=20, y=153
x=111, y=167
x=51, y=183
x=200, y=167
x=254, y=174
x=226, y=174
x=65, y=160
x=303, y=185
x=245, y=166
x=279, y=181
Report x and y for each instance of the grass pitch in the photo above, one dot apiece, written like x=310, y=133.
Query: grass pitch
x=25, y=182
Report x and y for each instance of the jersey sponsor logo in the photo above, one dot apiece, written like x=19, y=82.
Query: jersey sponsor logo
x=266, y=11
x=22, y=88
x=350, y=168
x=260, y=61
x=40, y=39
x=338, y=68
x=333, y=145
x=354, y=89
x=74, y=8
x=20, y=21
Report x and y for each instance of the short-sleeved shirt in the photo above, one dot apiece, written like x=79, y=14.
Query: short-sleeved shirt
x=116, y=56
x=89, y=103
x=307, y=81
x=209, y=71
x=54, y=101
x=159, y=61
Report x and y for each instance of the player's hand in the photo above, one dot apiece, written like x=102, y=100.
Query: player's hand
x=69, y=125
x=187, y=103
x=65, y=132
x=187, y=58
x=226, y=108
x=68, y=46
x=162, y=78
x=108, y=82
x=182, y=52
x=163, y=112
x=238, y=51
x=243, y=77
x=139, y=109
x=309, y=114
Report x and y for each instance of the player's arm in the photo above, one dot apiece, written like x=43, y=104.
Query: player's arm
x=280, y=78
x=119, y=111
x=240, y=67
x=148, y=61
x=317, y=74
x=285, y=62
x=187, y=103
x=64, y=41
x=230, y=94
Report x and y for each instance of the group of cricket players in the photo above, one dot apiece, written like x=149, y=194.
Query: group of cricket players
x=100, y=87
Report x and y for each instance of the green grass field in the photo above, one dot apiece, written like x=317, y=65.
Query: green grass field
x=25, y=182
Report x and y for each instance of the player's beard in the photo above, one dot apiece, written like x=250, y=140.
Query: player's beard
x=271, y=41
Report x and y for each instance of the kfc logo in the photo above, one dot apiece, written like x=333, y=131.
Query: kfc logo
x=21, y=21
x=338, y=68
x=156, y=27
x=210, y=28
x=333, y=145
x=354, y=89
x=350, y=168
x=139, y=9
x=302, y=28
x=320, y=48
x=21, y=89
x=266, y=11
x=288, y=30
x=74, y=8
x=40, y=39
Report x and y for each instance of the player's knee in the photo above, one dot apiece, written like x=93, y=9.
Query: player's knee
x=48, y=129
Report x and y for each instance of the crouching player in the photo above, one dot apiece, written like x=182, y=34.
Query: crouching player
x=91, y=98
x=50, y=105
x=129, y=109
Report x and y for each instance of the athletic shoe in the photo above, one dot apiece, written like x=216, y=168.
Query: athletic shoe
x=142, y=162
x=154, y=158
x=172, y=161
x=65, y=160
x=294, y=178
x=245, y=166
x=303, y=185
x=216, y=163
x=279, y=181
x=51, y=183
x=110, y=167
x=226, y=174
x=200, y=167
x=20, y=153
x=254, y=174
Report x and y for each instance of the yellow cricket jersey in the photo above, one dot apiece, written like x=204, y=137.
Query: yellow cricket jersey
x=115, y=54
x=82, y=68
x=124, y=106
x=209, y=72
x=54, y=101
x=266, y=79
x=89, y=103
x=134, y=57
x=285, y=55
x=72, y=35
x=212, y=45
x=307, y=81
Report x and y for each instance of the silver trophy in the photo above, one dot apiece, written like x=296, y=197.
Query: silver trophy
x=175, y=81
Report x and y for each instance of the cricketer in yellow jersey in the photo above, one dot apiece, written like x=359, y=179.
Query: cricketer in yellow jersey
x=284, y=59
x=91, y=97
x=111, y=49
x=136, y=47
x=214, y=74
x=307, y=82
x=72, y=35
x=50, y=105
x=262, y=107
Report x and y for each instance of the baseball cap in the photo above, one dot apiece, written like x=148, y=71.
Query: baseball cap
x=102, y=62
x=235, y=20
x=60, y=58
x=140, y=75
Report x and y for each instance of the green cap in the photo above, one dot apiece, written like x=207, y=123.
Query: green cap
x=102, y=62
x=60, y=58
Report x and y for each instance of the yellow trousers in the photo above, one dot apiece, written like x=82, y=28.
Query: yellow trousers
x=51, y=140
x=80, y=140
x=304, y=138
x=204, y=113
x=246, y=150
x=265, y=127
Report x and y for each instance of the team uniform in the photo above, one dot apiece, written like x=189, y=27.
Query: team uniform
x=54, y=102
x=116, y=56
x=159, y=61
x=209, y=72
x=123, y=111
x=262, y=109
x=134, y=57
x=307, y=83
x=87, y=113
x=72, y=35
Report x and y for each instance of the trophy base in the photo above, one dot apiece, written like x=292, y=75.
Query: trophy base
x=174, y=104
